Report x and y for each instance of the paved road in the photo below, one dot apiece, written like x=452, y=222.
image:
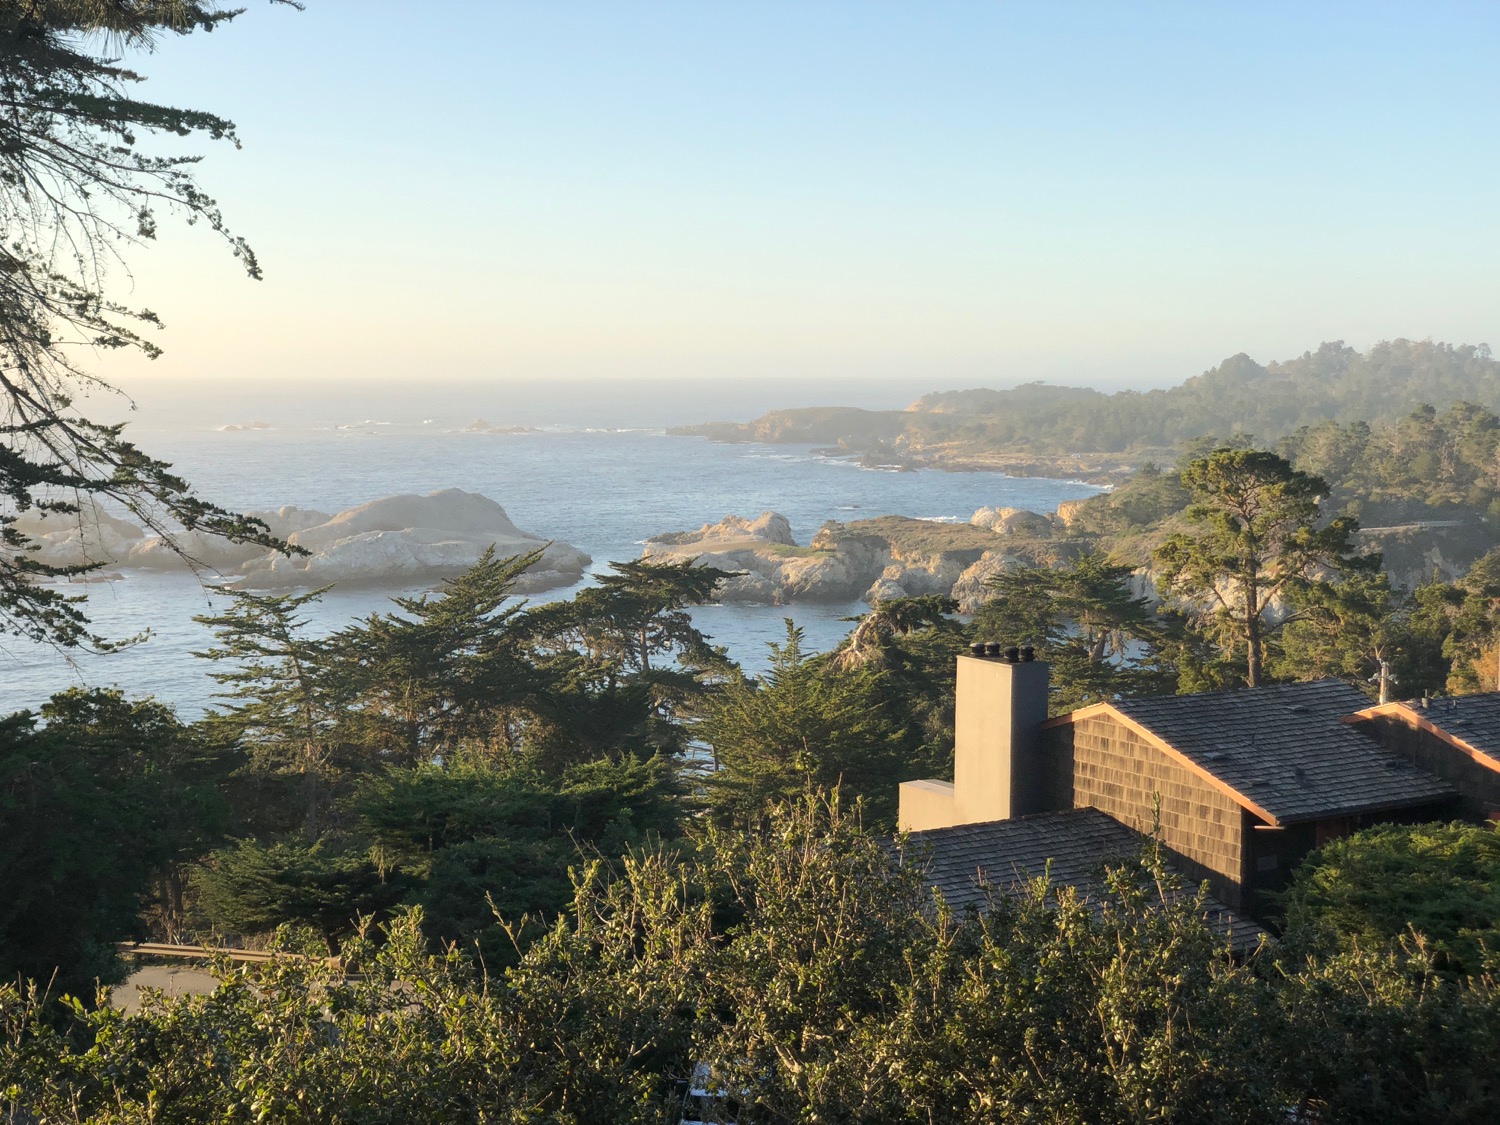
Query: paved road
x=175, y=980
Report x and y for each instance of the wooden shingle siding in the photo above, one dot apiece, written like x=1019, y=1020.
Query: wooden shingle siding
x=1098, y=761
x=1477, y=782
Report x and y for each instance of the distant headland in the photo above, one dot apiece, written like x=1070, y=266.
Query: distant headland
x=1078, y=433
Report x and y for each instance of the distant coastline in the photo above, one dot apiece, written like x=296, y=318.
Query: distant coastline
x=1077, y=433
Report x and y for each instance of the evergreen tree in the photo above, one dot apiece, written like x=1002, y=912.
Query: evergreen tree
x=78, y=188
x=802, y=725
x=1259, y=535
x=1349, y=629
x=1101, y=640
x=1377, y=888
x=286, y=701
x=97, y=799
x=446, y=672
x=625, y=662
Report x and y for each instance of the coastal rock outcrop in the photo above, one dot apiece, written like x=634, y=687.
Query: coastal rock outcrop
x=193, y=548
x=394, y=540
x=412, y=538
x=760, y=549
x=1013, y=521
x=88, y=537
x=873, y=560
x=768, y=527
x=972, y=588
x=1069, y=512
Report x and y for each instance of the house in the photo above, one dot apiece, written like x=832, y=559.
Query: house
x=1457, y=738
x=969, y=862
x=1238, y=785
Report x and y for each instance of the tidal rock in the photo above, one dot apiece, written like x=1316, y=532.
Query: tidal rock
x=875, y=559
x=883, y=590
x=409, y=538
x=1069, y=512
x=212, y=552
x=972, y=588
x=768, y=527
x=87, y=537
x=1013, y=521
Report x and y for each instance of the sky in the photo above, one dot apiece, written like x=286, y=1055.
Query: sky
x=919, y=195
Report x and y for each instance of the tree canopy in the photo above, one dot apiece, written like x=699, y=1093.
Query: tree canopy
x=1434, y=883
x=81, y=187
x=1258, y=535
x=822, y=981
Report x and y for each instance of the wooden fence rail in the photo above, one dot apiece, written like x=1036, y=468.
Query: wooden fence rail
x=204, y=953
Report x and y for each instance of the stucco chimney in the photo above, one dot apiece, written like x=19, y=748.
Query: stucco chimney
x=999, y=710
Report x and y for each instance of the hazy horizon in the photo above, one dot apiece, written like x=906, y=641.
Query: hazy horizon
x=958, y=195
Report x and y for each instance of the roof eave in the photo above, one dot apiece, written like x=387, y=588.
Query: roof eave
x=1418, y=721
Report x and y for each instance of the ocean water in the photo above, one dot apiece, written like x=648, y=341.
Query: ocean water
x=604, y=490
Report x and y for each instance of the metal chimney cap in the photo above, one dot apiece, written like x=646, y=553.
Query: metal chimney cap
x=1028, y=654
x=1013, y=655
x=992, y=648
x=976, y=649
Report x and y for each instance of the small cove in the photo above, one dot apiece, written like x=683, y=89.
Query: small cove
x=603, y=490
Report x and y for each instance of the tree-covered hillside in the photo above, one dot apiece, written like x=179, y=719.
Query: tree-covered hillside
x=1239, y=396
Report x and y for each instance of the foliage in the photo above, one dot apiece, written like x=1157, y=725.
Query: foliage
x=638, y=613
x=802, y=725
x=252, y=888
x=1148, y=498
x=907, y=644
x=626, y=661
x=283, y=700
x=473, y=840
x=1426, y=465
x=814, y=971
x=1101, y=640
x=1259, y=535
x=1378, y=887
x=1473, y=641
x=442, y=674
x=1332, y=383
x=82, y=830
x=1346, y=630
x=1378, y=1036
x=78, y=189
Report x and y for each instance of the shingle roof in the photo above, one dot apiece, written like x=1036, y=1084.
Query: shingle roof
x=968, y=862
x=1286, y=749
x=1473, y=719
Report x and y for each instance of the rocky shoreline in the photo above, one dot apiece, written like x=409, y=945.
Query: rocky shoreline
x=867, y=560
x=898, y=452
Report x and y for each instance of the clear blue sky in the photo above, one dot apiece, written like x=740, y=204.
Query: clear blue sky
x=958, y=193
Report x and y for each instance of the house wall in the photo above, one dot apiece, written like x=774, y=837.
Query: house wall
x=1101, y=762
x=1477, y=784
x=1272, y=854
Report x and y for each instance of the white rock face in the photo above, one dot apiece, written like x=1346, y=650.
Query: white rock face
x=411, y=538
x=87, y=537
x=1013, y=521
x=972, y=589
x=154, y=553
x=396, y=540
x=768, y=527
x=841, y=564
